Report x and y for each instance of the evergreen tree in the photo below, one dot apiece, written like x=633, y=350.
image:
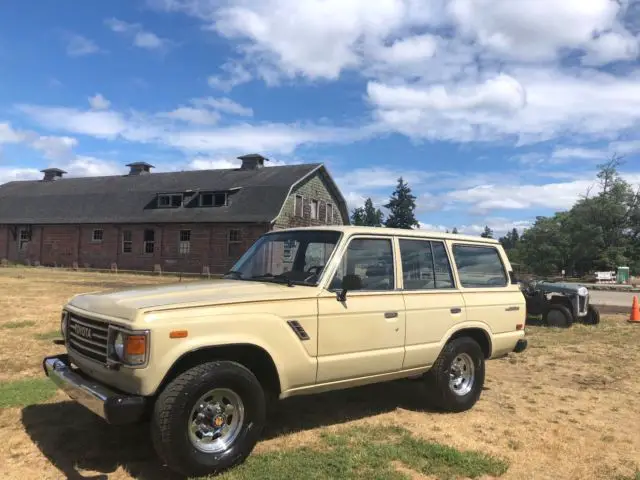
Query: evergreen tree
x=455, y=230
x=401, y=207
x=372, y=216
x=357, y=216
x=488, y=233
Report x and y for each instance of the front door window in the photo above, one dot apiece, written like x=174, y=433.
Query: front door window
x=370, y=259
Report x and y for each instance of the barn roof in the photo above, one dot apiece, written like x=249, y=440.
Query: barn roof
x=255, y=195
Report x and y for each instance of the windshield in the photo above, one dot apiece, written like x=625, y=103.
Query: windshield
x=293, y=257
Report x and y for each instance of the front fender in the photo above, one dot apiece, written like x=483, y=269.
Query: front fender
x=270, y=332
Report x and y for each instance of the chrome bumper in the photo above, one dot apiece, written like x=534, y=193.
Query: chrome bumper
x=114, y=407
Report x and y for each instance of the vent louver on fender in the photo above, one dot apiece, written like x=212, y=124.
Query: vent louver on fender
x=298, y=329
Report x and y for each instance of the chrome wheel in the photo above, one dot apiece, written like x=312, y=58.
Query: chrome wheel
x=461, y=374
x=216, y=420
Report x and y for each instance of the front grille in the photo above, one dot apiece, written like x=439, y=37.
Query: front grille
x=88, y=337
x=582, y=304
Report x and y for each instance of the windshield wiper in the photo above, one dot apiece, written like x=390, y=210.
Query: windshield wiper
x=286, y=279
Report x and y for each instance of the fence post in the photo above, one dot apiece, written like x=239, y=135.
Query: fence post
x=75, y=265
x=114, y=267
x=206, y=271
x=4, y=262
x=157, y=269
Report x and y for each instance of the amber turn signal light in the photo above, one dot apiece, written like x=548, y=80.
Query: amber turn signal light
x=136, y=345
x=178, y=334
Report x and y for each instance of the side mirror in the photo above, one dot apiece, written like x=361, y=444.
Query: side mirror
x=349, y=282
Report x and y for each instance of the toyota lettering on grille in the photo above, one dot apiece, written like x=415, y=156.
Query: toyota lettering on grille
x=81, y=330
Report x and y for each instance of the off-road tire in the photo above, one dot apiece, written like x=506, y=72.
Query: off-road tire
x=173, y=406
x=592, y=317
x=558, y=316
x=436, y=379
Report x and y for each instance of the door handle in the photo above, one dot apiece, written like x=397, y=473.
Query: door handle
x=456, y=310
x=512, y=309
x=390, y=314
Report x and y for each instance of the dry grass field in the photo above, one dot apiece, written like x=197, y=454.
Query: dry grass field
x=566, y=408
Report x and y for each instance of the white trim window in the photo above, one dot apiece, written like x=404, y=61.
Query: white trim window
x=184, y=246
x=98, y=235
x=298, y=207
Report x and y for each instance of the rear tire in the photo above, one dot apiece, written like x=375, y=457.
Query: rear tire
x=592, y=317
x=558, y=316
x=228, y=405
x=456, y=379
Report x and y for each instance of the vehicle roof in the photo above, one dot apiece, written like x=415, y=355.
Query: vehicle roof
x=418, y=233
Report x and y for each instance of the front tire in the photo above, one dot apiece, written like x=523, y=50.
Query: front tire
x=592, y=317
x=209, y=418
x=558, y=316
x=456, y=379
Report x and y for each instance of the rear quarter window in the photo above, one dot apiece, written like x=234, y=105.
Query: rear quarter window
x=479, y=266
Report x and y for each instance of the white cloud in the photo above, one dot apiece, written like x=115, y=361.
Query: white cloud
x=12, y=174
x=9, y=135
x=168, y=129
x=88, y=166
x=570, y=153
x=102, y=124
x=233, y=74
x=195, y=116
x=78, y=46
x=52, y=147
x=98, y=102
x=214, y=163
x=140, y=37
x=548, y=104
x=458, y=70
x=534, y=30
x=55, y=148
x=225, y=105
x=610, y=47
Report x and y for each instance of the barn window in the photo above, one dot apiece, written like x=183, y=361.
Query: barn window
x=299, y=206
x=235, y=243
x=185, y=242
x=149, y=241
x=98, y=235
x=127, y=241
x=25, y=238
x=213, y=199
x=329, y=219
x=170, y=200
x=314, y=210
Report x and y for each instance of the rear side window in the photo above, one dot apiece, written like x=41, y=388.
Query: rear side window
x=479, y=266
x=425, y=265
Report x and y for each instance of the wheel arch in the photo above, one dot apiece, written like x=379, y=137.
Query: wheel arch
x=478, y=334
x=252, y=356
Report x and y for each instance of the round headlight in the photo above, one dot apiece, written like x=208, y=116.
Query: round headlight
x=118, y=346
x=63, y=324
x=582, y=291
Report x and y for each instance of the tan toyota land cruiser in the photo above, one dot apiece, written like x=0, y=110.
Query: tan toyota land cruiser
x=303, y=311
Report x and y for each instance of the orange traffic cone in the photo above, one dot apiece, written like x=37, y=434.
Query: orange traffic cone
x=635, y=311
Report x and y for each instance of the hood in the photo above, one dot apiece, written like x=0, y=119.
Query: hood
x=126, y=304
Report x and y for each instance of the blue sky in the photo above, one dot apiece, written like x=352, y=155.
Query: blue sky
x=494, y=111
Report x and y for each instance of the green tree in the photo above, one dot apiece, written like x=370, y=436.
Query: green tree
x=372, y=216
x=455, y=230
x=510, y=240
x=357, y=216
x=401, y=205
x=487, y=233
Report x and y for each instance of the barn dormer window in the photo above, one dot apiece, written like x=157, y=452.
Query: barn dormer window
x=170, y=200
x=214, y=199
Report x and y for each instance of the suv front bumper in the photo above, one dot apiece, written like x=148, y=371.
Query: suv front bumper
x=114, y=407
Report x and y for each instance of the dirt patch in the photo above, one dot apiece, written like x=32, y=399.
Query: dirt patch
x=566, y=408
